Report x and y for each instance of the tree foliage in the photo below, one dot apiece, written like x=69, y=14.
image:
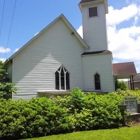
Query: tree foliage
x=121, y=85
x=6, y=87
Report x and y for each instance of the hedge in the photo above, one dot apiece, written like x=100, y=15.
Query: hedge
x=42, y=116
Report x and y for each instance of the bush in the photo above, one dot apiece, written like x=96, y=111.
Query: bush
x=6, y=87
x=34, y=118
x=76, y=112
x=92, y=111
x=121, y=85
x=128, y=93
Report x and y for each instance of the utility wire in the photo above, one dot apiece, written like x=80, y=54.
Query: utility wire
x=2, y=17
x=11, y=26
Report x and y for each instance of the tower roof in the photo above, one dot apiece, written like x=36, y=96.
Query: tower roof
x=84, y=2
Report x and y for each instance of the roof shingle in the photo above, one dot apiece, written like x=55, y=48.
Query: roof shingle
x=127, y=68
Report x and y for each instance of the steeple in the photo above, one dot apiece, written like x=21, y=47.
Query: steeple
x=94, y=23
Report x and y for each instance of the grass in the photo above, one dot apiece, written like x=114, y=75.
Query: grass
x=127, y=133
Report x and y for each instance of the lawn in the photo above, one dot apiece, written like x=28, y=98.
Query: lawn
x=127, y=133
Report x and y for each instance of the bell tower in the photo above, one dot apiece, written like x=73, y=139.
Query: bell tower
x=94, y=23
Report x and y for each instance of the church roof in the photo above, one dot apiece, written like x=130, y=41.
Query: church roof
x=98, y=52
x=127, y=68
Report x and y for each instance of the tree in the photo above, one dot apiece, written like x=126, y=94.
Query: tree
x=121, y=85
x=6, y=87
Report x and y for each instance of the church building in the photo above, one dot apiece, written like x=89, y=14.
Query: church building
x=58, y=59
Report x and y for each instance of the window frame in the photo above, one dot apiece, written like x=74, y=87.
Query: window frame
x=97, y=82
x=90, y=13
x=66, y=80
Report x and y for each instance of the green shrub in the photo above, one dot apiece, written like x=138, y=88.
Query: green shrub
x=6, y=87
x=76, y=112
x=92, y=111
x=121, y=85
x=128, y=93
x=34, y=118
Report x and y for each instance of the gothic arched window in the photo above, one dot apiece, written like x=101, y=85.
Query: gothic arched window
x=62, y=79
x=97, y=81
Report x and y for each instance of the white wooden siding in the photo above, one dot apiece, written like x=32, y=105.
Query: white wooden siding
x=102, y=65
x=94, y=28
x=35, y=65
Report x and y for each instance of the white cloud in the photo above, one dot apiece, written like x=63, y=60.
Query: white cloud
x=36, y=33
x=136, y=20
x=16, y=50
x=4, y=50
x=80, y=31
x=125, y=42
x=137, y=63
x=117, y=16
x=2, y=59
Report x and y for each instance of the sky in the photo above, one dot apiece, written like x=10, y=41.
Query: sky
x=31, y=16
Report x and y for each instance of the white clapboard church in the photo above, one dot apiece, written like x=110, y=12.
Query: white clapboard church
x=58, y=59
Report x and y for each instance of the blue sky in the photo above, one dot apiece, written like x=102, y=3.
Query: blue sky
x=31, y=16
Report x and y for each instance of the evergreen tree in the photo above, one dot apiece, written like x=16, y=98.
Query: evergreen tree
x=6, y=87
